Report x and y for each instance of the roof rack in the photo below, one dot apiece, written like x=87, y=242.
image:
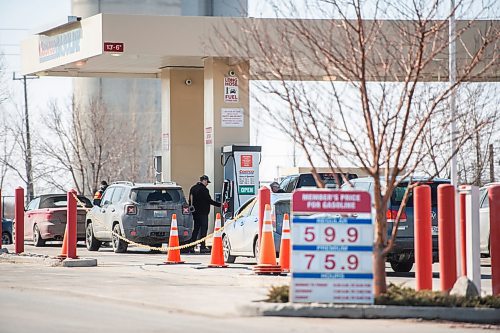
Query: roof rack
x=123, y=182
x=165, y=183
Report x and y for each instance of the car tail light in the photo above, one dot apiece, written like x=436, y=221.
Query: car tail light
x=130, y=210
x=185, y=210
x=392, y=214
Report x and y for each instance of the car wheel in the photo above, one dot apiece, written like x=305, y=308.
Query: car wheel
x=226, y=247
x=119, y=245
x=256, y=249
x=92, y=243
x=6, y=238
x=37, y=238
x=401, y=266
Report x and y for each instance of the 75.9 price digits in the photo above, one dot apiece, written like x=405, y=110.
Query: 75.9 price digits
x=329, y=262
x=330, y=234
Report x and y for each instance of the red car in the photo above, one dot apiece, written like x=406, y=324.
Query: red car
x=45, y=218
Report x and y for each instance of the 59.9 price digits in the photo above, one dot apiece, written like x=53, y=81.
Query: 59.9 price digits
x=330, y=234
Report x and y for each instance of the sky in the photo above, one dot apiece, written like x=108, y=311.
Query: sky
x=21, y=18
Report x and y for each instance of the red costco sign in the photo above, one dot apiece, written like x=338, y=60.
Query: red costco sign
x=246, y=161
x=331, y=201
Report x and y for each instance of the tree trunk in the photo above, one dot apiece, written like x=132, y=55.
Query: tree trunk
x=379, y=281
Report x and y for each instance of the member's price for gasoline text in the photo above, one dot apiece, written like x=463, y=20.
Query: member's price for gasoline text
x=328, y=262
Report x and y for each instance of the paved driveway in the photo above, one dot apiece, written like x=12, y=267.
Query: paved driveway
x=134, y=292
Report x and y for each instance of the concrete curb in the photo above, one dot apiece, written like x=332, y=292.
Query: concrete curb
x=29, y=258
x=39, y=259
x=79, y=262
x=470, y=315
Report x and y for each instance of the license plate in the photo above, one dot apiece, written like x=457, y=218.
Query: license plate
x=160, y=213
x=158, y=234
x=434, y=230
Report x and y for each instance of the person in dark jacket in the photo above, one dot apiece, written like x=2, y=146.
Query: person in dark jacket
x=275, y=187
x=199, y=198
x=98, y=194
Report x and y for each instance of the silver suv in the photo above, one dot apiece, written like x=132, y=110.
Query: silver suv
x=139, y=212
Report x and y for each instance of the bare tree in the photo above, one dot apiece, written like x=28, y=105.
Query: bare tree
x=390, y=98
x=480, y=101
x=76, y=143
x=85, y=144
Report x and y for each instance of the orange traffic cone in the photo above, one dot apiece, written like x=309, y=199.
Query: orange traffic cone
x=285, y=246
x=217, y=255
x=64, y=249
x=174, y=256
x=267, y=256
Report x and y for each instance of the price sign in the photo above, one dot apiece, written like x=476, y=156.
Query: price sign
x=332, y=247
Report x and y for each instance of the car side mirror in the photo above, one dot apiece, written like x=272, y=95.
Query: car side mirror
x=227, y=216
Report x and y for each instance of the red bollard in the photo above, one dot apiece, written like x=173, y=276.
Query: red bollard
x=463, y=233
x=494, y=197
x=446, y=227
x=71, y=224
x=423, y=236
x=19, y=216
x=264, y=199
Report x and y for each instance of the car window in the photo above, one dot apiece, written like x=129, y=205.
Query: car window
x=485, y=202
x=255, y=209
x=145, y=195
x=362, y=186
x=108, y=194
x=62, y=201
x=397, y=195
x=117, y=194
x=284, y=183
x=247, y=208
x=33, y=204
x=292, y=185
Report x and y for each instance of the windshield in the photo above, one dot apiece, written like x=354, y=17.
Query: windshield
x=399, y=192
x=145, y=195
x=61, y=201
x=307, y=180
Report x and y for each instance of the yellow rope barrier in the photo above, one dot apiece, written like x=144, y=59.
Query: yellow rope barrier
x=180, y=247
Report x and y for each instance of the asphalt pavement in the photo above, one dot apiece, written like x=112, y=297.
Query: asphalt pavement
x=136, y=292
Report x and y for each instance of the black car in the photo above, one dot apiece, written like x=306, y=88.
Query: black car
x=6, y=231
x=402, y=255
x=293, y=182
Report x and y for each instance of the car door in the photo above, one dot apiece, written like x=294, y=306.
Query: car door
x=236, y=231
x=484, y=221
x=102, y=228
x=250, y=229
x=29, y=218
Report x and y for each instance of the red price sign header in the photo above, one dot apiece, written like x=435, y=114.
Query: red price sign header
x=332, y=201
x=113, y=47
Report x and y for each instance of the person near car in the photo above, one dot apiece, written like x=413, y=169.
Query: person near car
x=199, y=198
x=99, y=192
x=275, y=187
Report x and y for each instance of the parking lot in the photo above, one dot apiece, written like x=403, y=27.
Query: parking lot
x=134, y=291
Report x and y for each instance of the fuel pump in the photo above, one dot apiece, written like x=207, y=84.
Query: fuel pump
x=241, y=176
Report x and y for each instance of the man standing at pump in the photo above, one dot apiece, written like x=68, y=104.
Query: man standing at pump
x=199, y=198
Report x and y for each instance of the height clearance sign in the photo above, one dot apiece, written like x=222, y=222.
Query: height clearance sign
x=332, y=245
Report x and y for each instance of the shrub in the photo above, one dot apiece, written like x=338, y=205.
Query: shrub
x=404, y=296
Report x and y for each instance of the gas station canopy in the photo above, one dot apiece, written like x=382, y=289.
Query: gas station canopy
x=107, y=45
